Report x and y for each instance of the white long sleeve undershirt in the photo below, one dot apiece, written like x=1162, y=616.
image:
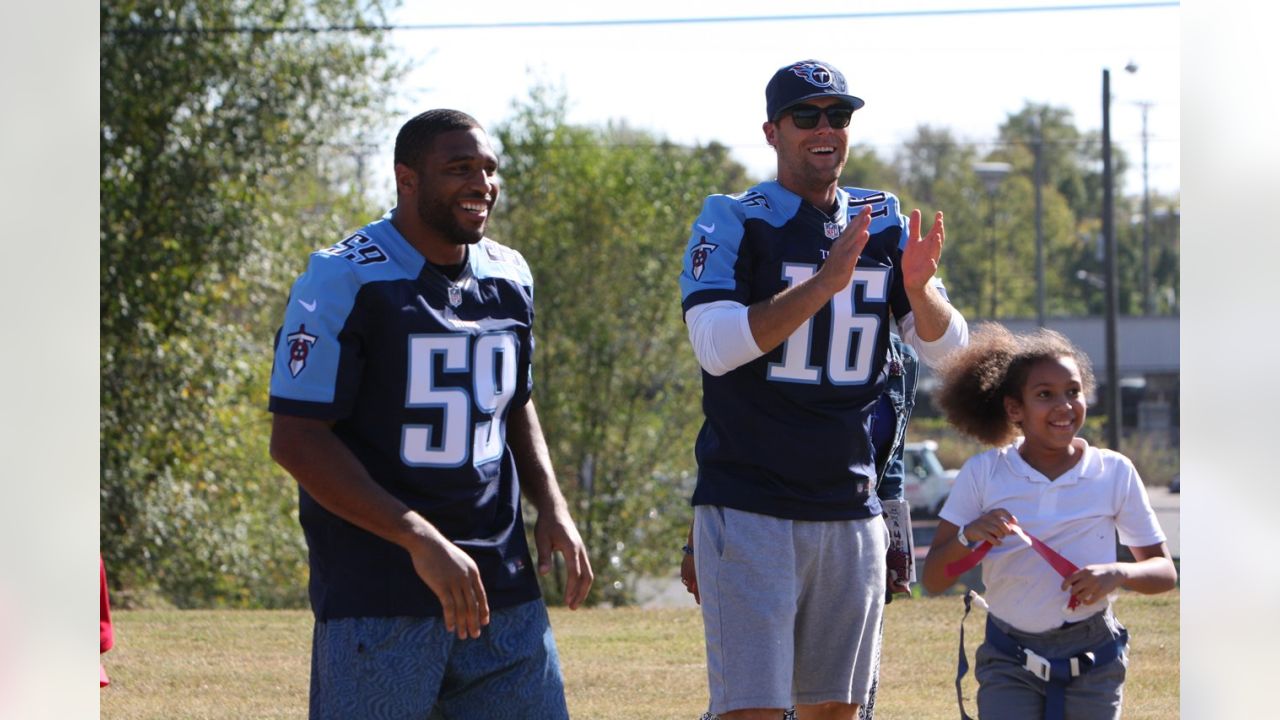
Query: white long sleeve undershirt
x=722, y=340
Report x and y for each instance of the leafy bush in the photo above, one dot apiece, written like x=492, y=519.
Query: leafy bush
x=1156, y=460
x=603, y=215
x=219, y=172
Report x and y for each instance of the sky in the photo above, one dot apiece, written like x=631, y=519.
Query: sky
x=695, y=81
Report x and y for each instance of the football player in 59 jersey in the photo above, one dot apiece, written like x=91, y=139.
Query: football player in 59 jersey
x=788, y=290
x=401, y=401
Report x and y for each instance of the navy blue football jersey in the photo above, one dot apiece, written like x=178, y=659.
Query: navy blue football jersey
x=418, y=373
x=789, y=433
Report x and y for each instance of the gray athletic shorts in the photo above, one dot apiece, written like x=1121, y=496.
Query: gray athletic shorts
x=791, y=609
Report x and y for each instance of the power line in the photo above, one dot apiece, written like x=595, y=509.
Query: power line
x=630, y=22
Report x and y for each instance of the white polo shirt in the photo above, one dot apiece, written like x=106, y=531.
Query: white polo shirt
x=1079, y=515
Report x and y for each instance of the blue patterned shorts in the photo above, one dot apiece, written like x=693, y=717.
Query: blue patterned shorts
x=392, y=668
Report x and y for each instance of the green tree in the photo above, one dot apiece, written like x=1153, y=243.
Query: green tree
x=603, y=215
x=931, y=164
x=1166, y=289
x=1071, y=159
x=1163, y=250
x=222, y=156
x=866, y=169
x=936, y=173
x=1071, y=163
x=990, y=262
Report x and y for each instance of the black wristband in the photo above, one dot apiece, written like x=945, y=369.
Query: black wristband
x=687, y=550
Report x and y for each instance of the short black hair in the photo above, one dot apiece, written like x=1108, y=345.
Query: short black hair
x=415, y=136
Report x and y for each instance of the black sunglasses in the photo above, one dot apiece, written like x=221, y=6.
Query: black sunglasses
x=806, y=116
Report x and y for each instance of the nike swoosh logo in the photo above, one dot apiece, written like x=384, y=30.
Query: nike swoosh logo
x=310, y=306
x=708, y=229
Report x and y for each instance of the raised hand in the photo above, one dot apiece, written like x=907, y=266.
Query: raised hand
x=920, y=256
x=843, y=258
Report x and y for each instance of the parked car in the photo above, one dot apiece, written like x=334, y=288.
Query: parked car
x=927, y=484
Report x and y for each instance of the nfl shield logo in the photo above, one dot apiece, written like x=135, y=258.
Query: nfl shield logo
x=455, y=295
x=832, y=230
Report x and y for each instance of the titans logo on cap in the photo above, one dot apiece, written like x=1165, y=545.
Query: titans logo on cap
x=814, y=74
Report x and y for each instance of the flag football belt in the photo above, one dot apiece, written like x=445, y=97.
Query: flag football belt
x=1061, y=565
x=1056, y=673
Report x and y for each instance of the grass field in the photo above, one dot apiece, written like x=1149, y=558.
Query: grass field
x=625, y=663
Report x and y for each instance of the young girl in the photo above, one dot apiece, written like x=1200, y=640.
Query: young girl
x=1053, y=647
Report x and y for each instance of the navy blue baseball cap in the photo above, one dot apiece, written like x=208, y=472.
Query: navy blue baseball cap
x=805, y=80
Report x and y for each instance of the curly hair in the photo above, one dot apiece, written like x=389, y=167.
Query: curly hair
x=976, y=379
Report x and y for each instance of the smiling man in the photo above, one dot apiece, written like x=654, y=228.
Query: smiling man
x=401, y=399
x=788, y=290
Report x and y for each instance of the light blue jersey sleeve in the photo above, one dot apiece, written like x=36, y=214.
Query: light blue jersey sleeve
x=318, y=350
x=309, y=347
x=716, y=256
x=711, y=255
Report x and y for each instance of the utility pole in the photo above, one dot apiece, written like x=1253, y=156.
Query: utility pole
x=1146, y=218
x=1112, y=291
x=1132, y=69
x=992, y=174
x=1038, y=173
